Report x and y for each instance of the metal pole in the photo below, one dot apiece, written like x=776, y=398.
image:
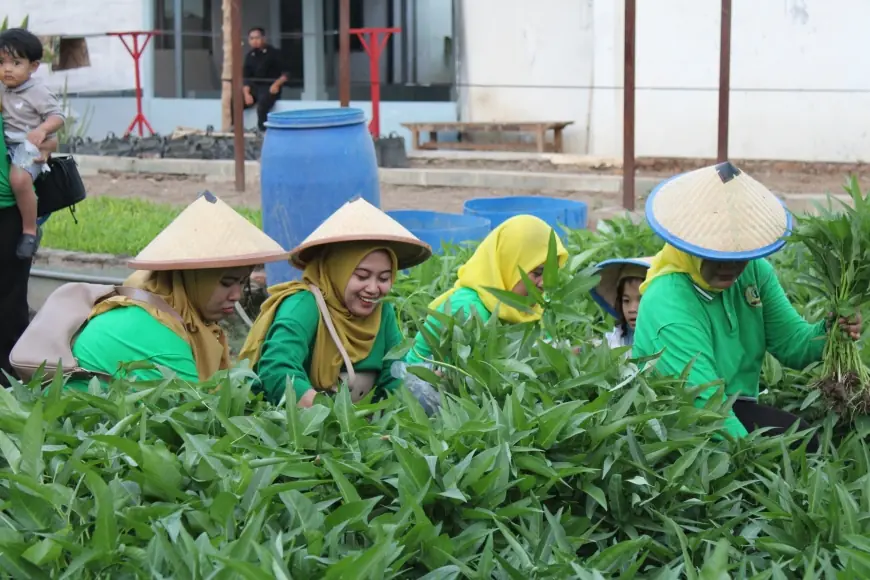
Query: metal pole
x=403, y=24
x=724, y=81
x=628, y=108
x=178, y=42
x=344, y=52
x=238, y=110
x=415, y=45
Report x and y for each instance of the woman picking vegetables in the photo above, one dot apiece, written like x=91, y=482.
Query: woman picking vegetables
x=518, y=244
x=712, y=301
x=618, y=293
x=335, y=320
x=197, y=266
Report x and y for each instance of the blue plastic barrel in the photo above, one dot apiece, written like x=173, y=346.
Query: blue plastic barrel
x=436, y=228
x=553, y=210
x=313, y=161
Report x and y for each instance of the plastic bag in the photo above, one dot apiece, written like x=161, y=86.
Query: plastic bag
x=427, y=395
x=25, y=153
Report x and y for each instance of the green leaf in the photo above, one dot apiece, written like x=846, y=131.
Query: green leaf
x=595, y=493
x=43, y=552
x=32, y=440
x=551, y=266
x=521, y=303
x=105, y=527
x=348, y=491
x=414, y=467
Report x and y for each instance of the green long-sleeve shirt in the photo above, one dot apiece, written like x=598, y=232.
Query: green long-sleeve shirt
x=130, y=334
x=729, y=332
x=7, y=198
x=464, y=300
x=287, y=349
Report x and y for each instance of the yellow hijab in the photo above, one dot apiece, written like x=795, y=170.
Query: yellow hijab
x=520, y=243
x=672, y=261
x=187, y=291
x=330, y=271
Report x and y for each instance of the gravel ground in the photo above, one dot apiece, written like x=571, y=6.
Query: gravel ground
x=182, y=190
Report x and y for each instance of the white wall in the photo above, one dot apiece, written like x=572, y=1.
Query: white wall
x=799, y=90
x=520, y=59
x=111, y=66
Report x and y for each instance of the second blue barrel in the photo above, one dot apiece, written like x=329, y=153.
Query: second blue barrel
x=313, y=161
x=553, y=210
x=437, y=228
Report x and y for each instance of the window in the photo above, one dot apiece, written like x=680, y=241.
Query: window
x=357, y=20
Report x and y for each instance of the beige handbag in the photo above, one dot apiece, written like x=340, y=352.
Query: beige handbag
x=360, y=384
x=49, y=337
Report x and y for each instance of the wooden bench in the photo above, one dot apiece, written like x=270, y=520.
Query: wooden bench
x=539, y=129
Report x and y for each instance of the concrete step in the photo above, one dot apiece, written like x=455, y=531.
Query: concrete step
x=221, y=170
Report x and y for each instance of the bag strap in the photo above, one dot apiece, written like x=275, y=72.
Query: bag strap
x=327, y=320
x=151, y=299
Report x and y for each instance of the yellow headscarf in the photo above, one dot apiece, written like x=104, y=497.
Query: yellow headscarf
x=672, y=261
x=330, y=271
x=520, y=243
x=187, y=291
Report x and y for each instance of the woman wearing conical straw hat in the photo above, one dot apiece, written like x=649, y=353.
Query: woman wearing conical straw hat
x=712, y=300
x=334, y=324
x=520, y=243
x=618, y=294
x=197, y=266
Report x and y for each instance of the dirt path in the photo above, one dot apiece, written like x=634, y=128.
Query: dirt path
x=780, y=176
x=182, y=190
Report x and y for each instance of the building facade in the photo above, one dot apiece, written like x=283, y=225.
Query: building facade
x=181, y=87
x=797, y=92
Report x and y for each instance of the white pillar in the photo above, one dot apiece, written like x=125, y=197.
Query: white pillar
x=314, y=71
x=147, y=63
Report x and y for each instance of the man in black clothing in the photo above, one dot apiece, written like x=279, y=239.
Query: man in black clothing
x=264, y=75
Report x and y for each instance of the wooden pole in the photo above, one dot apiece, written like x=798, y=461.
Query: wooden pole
x=628, y=107
x=344, y=52
x=724, y=81
x=227, y=70
x=238, y=110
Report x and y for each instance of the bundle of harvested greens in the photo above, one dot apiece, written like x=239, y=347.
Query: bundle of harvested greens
x=838, y=242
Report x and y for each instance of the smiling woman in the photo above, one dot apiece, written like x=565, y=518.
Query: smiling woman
x=334, y=324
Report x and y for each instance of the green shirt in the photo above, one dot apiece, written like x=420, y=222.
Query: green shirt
x=7, y=198
x=729, y=332
x=464, y=300
x=287, y=349
x=130, y=334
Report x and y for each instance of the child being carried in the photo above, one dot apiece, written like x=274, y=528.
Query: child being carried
x=30, y=109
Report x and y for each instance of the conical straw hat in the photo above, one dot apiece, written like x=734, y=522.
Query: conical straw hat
x=358, y=220
x=718, y=213
x=208, y=234
x=611, y=272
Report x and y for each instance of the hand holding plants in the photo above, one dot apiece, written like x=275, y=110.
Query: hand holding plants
x=850, y=326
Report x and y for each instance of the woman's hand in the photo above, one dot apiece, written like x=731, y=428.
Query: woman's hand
x=851, y=327
x=307, y=399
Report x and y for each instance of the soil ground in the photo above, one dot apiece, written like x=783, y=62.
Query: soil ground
x=781, y=176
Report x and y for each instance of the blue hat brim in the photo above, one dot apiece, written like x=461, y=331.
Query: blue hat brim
x=706, y=253
x=600, y=300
